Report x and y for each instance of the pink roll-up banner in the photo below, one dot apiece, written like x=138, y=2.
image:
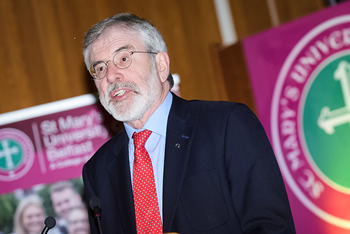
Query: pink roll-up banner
x=42, y=146
x=300, y=74
x=42, y=152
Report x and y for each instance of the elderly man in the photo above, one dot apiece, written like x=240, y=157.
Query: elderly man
x=177, y=166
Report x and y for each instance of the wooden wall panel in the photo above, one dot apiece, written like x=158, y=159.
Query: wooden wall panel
x=41, y=52
x=253, y=16
x=250, y=17
x=292, y=9
x=41, y=43
x=230, y=64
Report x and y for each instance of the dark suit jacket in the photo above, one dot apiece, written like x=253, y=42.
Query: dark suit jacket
x=220, y=175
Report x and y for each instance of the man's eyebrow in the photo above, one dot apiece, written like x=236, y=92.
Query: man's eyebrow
x=126, y=47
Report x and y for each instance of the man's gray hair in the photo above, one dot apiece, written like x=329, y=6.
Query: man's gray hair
x=149, y=34
x=151, y=37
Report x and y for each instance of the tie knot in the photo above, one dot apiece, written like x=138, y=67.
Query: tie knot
x=140, y=138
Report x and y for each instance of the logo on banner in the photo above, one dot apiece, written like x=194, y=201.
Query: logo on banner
x=16, y=154
x=311, y=120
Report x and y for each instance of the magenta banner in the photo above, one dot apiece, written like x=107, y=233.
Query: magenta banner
x=42, y=152
x=300, y=73
x=49, y=147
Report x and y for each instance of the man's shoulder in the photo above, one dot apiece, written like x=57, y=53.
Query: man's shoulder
x=109, y=148
x=215, y=104
x=211, y=107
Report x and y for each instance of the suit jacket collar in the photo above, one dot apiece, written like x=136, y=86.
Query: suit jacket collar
x=180, y=134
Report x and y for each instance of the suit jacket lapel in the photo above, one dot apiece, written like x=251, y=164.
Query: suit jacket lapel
x=119, y=174
x=178, y=144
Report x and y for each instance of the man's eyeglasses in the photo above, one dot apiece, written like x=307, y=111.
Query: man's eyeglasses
x=122, y=60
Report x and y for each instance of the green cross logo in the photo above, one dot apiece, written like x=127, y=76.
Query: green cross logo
x=11, y=154
x=326, y=123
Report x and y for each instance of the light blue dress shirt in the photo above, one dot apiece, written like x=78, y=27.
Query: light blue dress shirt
x=155, y=145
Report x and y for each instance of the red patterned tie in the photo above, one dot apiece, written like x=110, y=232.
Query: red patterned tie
x=145, y=196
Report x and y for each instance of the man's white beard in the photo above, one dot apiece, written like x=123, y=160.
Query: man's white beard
x=140, y=103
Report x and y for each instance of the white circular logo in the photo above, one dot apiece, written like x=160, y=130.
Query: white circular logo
x=16, y=154
x=310, y=120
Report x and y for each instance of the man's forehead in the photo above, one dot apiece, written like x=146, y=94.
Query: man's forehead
x=115, y=33
x=114, y=39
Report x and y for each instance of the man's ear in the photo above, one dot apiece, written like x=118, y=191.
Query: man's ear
x=163, y=65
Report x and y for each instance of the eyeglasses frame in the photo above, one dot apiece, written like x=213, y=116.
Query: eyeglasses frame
x=93, y=74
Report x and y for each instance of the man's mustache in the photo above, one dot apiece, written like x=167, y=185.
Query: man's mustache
x=115, y=86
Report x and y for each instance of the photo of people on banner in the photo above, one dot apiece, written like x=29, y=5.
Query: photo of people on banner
x=24, y=211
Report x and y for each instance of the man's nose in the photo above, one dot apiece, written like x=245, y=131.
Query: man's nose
x=113, y=72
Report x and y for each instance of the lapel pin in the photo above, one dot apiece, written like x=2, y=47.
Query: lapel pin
x=177, y=145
